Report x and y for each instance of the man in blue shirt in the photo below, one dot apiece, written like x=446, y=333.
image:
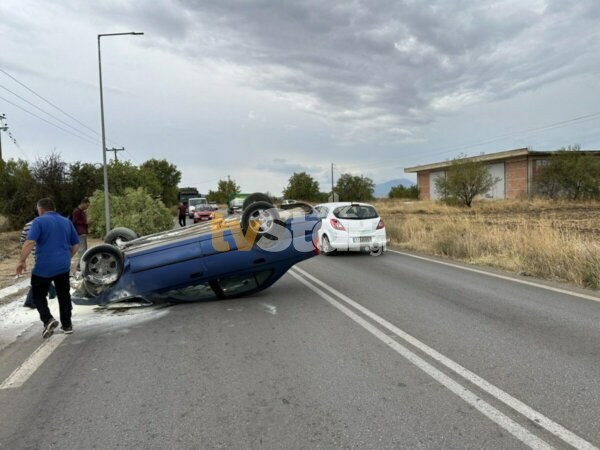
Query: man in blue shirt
x=56, y=242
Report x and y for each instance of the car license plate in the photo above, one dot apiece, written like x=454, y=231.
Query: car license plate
x=362, y=239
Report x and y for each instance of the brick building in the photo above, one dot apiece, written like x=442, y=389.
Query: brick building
x=518, y=171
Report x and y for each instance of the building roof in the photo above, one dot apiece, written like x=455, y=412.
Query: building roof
x=479, y=158
x=490, y=157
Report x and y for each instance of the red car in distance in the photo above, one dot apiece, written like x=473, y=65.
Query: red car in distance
x=203, y=213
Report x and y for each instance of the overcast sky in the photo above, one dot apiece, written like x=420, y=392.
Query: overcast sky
x=261, y=89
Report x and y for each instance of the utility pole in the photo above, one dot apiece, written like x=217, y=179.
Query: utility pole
x=332, y=193
x=228, y=183
x=3, y=127
x=116, y=150
x=106, y=196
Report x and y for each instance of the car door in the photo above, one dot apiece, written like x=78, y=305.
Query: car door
x=168, y=266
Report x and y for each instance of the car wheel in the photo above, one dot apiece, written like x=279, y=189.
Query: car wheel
x=256, y=197
x=263, y=219
x=326, y=247
x=102, y=266
x=119, y=235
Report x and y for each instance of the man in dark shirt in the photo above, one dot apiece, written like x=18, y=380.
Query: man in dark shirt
x=81, y=222
x=182, y=214
x=56, y=242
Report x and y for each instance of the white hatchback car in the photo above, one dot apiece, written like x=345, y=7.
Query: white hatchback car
x=350, y=227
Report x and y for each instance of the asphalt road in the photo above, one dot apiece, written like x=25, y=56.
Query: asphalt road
x=348, y=351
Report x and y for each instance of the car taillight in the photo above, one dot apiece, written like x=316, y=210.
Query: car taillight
x=336, y=224
x=380, y=225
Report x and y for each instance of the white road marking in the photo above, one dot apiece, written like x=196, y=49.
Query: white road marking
x=22, y=373
x=553, y=427
x=485, y=408
x=271, y=309
x=502, y=277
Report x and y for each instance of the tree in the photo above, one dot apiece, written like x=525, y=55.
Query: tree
x=465, y=179
x=135, y=209
x=83, y=180
x=224, y=188
x=123, y=175
x=168, y=178
x=354, y=188
x=404, y=192
x=571, y=173
x=301, y=186
x=51, y=179
x=17, y=192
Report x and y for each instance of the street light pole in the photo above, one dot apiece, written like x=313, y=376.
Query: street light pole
x=106, y=197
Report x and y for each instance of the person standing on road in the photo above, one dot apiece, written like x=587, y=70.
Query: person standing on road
x=81, y=222
x=56, y=242
x=51, y=291
x=182, y=214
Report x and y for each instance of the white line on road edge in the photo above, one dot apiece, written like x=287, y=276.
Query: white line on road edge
x=31, y=364
x=485, y=408
x=503, y=277
x=553, y=427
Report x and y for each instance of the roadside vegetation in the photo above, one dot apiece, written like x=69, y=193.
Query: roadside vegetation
x=302, y=186
x=465, y=179
x=551, y=239
x=22, y=184
x=135, y=209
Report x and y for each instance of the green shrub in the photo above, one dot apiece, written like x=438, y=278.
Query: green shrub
x=591, y=277
x=135, y=209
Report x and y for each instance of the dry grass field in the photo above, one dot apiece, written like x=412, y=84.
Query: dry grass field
x=10, y=248
x=554, y=240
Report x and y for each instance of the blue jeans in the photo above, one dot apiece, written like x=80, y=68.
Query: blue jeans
x=29, y=299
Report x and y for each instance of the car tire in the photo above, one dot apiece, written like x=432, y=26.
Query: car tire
x=326, y=247
x=102, y=266
x=119, y=235
x=268, y=221
x=256, y=197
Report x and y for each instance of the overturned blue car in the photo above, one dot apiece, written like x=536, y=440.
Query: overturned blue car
x=224, y=258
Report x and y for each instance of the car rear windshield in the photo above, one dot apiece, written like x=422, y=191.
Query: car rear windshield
x=197, y=201
x=355, y=212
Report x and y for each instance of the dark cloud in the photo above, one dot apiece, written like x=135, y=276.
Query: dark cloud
x=376, y=78
x=403, y=59
x=379, y=65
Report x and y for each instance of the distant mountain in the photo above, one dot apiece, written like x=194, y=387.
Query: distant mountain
x=383, y=189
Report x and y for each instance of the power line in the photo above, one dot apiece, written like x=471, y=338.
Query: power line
x=47, y=121
x=49, y=102
x=131, y=155
x=54, y=106
x=560, y=124
x=7, y=130
x=46, y=112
